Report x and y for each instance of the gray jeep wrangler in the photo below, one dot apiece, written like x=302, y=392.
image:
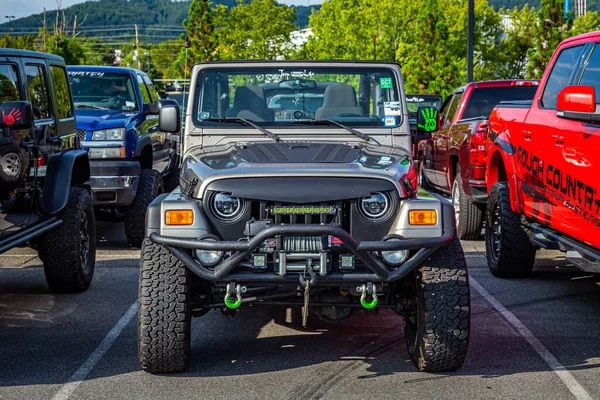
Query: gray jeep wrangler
x=298, y=190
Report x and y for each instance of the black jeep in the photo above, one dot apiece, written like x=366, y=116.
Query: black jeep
x=44, y=200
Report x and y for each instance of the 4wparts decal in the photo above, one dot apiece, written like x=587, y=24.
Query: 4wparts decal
x=560, y=187
x=13, y=116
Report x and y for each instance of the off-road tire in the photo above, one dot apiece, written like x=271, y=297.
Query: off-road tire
x=62, y=248
x=437, y=330
x=423, y=182
x=469, y=222
x=150, y=185
x=510, y=253
x=13, y=166
x=164, y=314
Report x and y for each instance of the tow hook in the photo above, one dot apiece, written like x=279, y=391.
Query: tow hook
x=230, y=301
x=368, y=289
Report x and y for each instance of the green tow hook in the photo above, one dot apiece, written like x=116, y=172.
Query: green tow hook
x=238, y=297
x=363, y=298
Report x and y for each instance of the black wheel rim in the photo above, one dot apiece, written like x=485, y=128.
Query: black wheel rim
x=84, y=246
x=495, y=231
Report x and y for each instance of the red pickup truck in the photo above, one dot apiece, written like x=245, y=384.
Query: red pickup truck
x=453, y=160
x=543, y=166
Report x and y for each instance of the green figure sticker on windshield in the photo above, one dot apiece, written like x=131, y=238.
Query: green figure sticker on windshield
x=430, y=119
x=385, y=83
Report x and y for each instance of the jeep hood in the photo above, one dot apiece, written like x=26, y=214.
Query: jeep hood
x=299, y=159
x=93, y=120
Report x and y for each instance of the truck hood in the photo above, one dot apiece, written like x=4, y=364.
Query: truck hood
x=92, y=120
x=298, y=159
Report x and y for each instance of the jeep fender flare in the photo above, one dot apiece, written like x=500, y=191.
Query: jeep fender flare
x=502, y=166
x=64, y=170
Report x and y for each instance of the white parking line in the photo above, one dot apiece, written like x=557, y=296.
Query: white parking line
x=79, y=376
x=569, y=380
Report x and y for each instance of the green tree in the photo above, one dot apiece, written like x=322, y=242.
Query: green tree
x=199, y=27
x=259, y=29
x=69, y=48
x=586, y=23
x=519, y=38
x=430, y=66
x=24, y=42
x=551, y=28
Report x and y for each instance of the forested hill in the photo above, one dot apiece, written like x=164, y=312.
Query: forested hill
x=126, y=12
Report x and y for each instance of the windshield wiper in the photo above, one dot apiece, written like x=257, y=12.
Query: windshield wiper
x=247, y=122
x=90, y=106
x=353, y=131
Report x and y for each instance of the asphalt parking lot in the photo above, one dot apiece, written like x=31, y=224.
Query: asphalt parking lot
x=533, y=338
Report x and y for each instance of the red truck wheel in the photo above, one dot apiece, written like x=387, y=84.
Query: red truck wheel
x=468, y=214
x=507, y=246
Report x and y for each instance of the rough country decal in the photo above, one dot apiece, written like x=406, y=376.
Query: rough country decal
x=562, y=187
x=13, y=116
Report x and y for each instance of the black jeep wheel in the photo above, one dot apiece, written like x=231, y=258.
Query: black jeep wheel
x=468, y=214
x=437, y=329
x=13, y=166
x=150, y=186
x=164, y=315
x=507, y=246
x=69, y=251
x=423, y=182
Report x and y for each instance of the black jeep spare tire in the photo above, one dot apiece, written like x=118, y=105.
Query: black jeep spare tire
x=150, y=185
x=437, y=328
x=164, y=314
x=69, y=251
x=13, y=166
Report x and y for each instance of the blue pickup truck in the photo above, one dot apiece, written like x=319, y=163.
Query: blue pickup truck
x=131, y=160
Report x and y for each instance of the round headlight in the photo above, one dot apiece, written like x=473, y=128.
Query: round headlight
x=375, y=206
x=394, y=258
x=226, y=206
x=209, y=258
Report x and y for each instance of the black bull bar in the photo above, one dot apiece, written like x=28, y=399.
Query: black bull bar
x=223, y=272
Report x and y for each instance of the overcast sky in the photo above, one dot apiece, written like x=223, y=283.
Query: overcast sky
x=24, y=8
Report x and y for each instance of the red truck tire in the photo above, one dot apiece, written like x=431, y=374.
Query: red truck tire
x=468, y=214
x=509, y=251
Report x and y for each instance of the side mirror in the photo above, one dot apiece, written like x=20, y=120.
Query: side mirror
x=428, y=119
x=16, y=115
x=169, y=116
x=577, y=102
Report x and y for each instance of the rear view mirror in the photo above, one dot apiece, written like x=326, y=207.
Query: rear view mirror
x=428, y=119
x=576, y=102
x=16, y=115
x=169, y=116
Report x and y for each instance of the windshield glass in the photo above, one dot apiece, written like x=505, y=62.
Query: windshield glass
x=281, y=96
x=9, y=85
x=179, y=98
x=414, y=101
x=483, y=100
x=113, y=91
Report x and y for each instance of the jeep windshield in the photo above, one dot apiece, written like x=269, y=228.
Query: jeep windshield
x=414, y=101
x=285, y=96
x=104, y=90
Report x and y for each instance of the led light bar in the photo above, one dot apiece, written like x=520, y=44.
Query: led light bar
x=290, y=210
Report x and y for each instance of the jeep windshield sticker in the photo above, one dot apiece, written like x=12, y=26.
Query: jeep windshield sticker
x=13, y=116
x=392, y=108
x=86, y=73
x=389, y=121
x=560, y=186
x=129, y=105
x=415, y=99
x=295, y=74
x=385, y=83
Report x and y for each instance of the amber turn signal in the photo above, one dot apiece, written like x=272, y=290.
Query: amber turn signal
x=179, y=217
x=422, y=217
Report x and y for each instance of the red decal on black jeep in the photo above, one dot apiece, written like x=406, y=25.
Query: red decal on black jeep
x=13, y=116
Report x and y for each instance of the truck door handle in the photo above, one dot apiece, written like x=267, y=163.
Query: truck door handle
x=559, y=139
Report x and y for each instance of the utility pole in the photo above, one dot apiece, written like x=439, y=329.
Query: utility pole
x=470, y=41
x=44, y=32
x=137, y=46
x=375, y=47
x=74, y=25
x=10, y=18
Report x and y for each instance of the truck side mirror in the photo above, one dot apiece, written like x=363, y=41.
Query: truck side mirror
x=576, y=102
x=169, y=116
x=428, y=120
x=16, y=115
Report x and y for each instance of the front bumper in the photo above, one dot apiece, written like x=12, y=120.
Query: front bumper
x=376, y=270
x=114, y=183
